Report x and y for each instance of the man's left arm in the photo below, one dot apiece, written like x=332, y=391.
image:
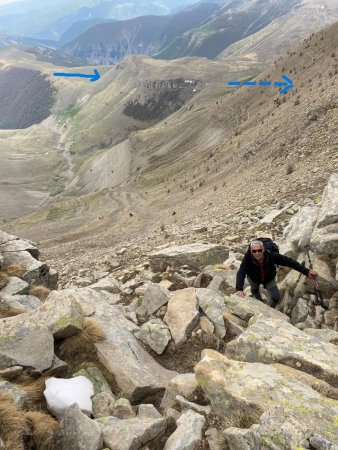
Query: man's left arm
x=289, y=262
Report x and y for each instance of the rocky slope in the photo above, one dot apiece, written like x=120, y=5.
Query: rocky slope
x=163, y=354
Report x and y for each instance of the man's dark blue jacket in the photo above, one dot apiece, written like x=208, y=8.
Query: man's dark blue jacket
x=266, y=271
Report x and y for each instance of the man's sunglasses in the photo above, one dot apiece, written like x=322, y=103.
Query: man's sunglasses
x=257, y=251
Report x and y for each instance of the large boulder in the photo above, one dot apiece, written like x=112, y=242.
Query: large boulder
x=324, y=238
x=250, y=389
x=36, y=271
x=31, y=347
x=195, y=255
x=298, y=232
x=10, y=243
x=15, y=286
x=140, y=375
x=182, y=314
x=270, y=340
x=130, y=434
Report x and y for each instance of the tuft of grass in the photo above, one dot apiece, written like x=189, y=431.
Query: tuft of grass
x=41, y=292
x=13, y=425
x=15, y=270
x=82, y=342
x=43, y=427
x=34, y=389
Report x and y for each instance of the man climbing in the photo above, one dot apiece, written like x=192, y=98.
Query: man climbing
x=260, y=268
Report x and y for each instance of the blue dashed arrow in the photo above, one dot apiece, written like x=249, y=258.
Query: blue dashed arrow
x=288, y=84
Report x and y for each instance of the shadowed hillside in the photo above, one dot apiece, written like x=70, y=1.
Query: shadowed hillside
x=27, y=97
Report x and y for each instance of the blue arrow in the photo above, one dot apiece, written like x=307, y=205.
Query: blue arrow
x=96, y=76
x=287, y=84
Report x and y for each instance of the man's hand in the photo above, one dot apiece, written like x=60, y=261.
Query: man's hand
x=240, y=293
x=312, y=273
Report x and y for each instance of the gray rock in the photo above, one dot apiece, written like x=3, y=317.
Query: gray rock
x=78, y=432
x=328, y=213
x=129, y=434
x=324, y=335
x=122, y=409
x=109, y=284
x=31, y=347
x=212, y=303
x=278, y=426
x=10, y=243
x=184, y=384
x=36, y=271
x=11, y=305
x=182, y=314
x=155, y=296
x=148, y=411
x=19, y=396
x=269, y=340
x=188, y=432
x=195, y=255
x=155, y=334
x=139, y=375
x=300, y=311
x=234, y=325
x=15, y=286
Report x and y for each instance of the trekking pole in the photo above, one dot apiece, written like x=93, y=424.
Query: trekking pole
x=316, y=291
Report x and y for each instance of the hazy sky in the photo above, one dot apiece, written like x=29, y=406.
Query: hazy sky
x=2, y=2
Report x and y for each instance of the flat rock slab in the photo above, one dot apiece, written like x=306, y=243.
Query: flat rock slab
x=212, y=303
x=196, y=256
x=182, y=314
x=270, y=340
x=60, y=313
x=234, y=387
x=136, y=373
x=31, y=347
x=129, y=434
x=247, y=307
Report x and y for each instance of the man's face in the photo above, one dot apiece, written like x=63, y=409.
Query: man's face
x=257, y=251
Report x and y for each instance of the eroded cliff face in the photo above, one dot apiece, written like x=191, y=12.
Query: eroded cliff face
x=160, y=98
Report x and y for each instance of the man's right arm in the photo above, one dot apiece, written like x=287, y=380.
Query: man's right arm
x=241, y=275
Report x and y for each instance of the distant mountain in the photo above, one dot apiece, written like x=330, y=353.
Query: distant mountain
x=49, y=20
x=78, y=28
x=109, y=43
x=205, y=29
